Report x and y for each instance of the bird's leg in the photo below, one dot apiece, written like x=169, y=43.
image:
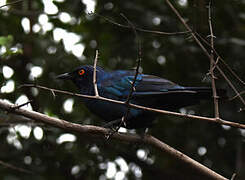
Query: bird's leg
x=112, y=124
x=118, y=122
x=142, y=132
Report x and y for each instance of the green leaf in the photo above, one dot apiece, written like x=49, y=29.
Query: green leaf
x=6, y=40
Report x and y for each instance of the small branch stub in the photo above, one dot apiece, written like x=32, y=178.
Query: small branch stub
x=94, y=74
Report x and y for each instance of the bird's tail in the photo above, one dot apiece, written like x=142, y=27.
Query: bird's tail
x=207, y=92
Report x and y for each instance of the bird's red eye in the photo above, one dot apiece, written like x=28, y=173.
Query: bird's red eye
x=81, y=72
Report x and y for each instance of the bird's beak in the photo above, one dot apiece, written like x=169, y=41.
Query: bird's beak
x=64, y=76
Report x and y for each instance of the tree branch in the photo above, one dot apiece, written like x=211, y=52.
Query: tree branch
x=11, y=3
x=10, y=166
x=204, y=50
x=138, y=62
x=99, y=132
x=140, y=29
x=170, y=113
x=212, y=64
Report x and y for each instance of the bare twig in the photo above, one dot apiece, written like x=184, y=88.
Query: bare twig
x=233, y=176
x=232, y=71
x=136, y=70
x=140, y=29
x=222, y=60
x=94, y=74
x=170, y=113
x=10, y=166
x=53, y=93
x=124, y=118
x=204, y=49
x=21, y=105
x=11, y=3
x=212, y=63
x=234, y=97
x=98, y=132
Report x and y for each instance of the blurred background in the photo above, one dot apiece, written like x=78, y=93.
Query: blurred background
x=43, y=38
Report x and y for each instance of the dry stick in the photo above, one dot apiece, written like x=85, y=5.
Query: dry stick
x=21, y=105
x=136, y=70
x=222, y=60
x=93, y=131
x=233, y=176
x=170, y=113
x=204, y=49
x=124, y=118
x=11, y=3
x=10, y=166
x=232, y=71
x=238, y=95
x=140, y=29
x=234, y=97
x=216, y=102
x=94, y=74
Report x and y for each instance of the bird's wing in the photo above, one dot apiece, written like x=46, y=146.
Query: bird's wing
x=154, y=84
x=153, y=91
x=119, y=83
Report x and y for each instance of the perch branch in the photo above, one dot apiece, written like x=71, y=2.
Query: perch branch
x=99, y=132
x=170, y=113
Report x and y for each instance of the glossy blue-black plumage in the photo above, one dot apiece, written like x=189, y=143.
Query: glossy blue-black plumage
x=150, y=91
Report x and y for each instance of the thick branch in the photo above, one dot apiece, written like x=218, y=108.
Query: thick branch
x=99, y=132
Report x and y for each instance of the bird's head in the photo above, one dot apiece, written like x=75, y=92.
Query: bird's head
x=82, y=77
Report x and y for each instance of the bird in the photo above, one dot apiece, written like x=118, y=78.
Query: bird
x=149, y=91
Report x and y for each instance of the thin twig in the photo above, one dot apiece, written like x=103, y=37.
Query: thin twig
x=204, y=50
x=10, y=166
x=139, y=29
x=232, y=71
x=11, y=3
x=136, y=70
x=212, y=63
x=94, y=74
x=21, y=105
x=222, y=60
x=234, y=97
x=233, y=176
x=124, y=118
x=170, y=113
x=216, y=62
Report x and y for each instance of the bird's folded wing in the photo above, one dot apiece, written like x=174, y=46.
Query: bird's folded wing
x=120, y=83
x=119, y=86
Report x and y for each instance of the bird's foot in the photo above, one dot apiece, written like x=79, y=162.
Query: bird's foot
x=112, y=124
x=114, y=127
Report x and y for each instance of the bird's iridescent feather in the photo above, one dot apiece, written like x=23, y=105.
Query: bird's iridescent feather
x=150, y=91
